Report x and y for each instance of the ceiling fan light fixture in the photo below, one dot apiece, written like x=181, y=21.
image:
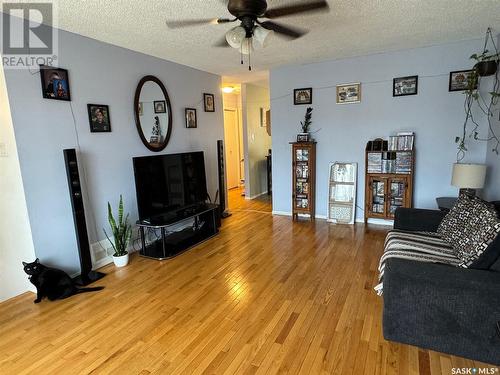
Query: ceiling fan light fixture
x=246, y=46
x=227, y=89
x=261, y=37
x=235, y=36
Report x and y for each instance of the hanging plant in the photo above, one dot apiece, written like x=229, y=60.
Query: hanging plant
x=486, y=65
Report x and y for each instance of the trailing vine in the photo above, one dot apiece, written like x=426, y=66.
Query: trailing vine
x=486, y=105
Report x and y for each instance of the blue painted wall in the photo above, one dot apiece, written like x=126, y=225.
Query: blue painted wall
x=435, y=115
x=103, y=74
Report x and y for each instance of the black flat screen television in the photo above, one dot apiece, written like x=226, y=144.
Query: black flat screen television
x=167, y=183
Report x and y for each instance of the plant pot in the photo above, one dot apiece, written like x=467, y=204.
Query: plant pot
x=486, y=68
x=121, y=261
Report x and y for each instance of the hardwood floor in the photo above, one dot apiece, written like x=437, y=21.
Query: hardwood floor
x=264, y=296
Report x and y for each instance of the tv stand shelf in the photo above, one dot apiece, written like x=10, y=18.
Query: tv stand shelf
x=171, y=242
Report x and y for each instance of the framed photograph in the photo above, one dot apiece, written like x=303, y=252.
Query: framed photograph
x=99, y=118
x=55, y=83
x=459, y=80
x=303, y=96
x=208, y=102
x=302, y=137
x=140, y=110
x=349, y=93
x=160, y=106
x=404, y=86
x=191, y=121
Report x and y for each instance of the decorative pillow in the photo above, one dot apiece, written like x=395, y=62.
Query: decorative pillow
x=470, y=226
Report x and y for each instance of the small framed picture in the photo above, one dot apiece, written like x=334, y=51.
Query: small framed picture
x=208, y=102
x=303, y=96
x=404, y=86
x=349, y=93
x=302, y=137
x=55, y=83
x=160, y=106
x=99, y=118
x=191, y=121
x=459, y=80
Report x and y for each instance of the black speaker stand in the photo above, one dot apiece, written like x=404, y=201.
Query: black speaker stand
x=88, y=279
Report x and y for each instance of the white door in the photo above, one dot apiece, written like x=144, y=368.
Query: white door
x=231, y=144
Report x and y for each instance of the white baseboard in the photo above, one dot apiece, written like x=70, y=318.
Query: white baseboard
x=324, y=217
x=286, y=213
x=256, y=196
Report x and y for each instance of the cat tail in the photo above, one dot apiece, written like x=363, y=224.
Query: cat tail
x=86, y=290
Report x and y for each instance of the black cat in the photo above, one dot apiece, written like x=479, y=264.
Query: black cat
x=52, y=283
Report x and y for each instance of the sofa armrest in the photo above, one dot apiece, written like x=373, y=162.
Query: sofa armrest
x=417, y=219
x=444, y=308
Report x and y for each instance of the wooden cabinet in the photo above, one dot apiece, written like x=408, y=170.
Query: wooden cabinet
x=389, y=176
x=385, y=193
x=303, y=179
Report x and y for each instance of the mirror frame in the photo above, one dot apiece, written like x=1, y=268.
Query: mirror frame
x=138, y=90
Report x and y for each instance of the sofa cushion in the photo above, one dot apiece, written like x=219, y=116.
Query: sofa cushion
x=470, y=227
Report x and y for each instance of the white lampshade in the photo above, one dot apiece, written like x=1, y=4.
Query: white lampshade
x=246, y=46
x=261, y=37
x=468, y=176
x=235, y=36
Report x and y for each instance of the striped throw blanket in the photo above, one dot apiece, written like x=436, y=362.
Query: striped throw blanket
x=420, y=246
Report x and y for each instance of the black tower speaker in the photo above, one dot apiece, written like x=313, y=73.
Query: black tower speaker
x=87, y=276
x=221, y=168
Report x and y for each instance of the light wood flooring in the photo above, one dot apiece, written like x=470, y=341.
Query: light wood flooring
x=264, y=296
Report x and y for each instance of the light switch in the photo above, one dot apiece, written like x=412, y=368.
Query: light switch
x=3, y=150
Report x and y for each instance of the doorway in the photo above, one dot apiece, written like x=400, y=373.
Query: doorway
x=232, y=148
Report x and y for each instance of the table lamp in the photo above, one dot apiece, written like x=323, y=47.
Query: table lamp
x=468, y=177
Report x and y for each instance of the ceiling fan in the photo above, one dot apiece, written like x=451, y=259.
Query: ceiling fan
x=253, y=33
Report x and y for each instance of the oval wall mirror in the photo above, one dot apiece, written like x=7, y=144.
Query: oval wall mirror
x=153, y=114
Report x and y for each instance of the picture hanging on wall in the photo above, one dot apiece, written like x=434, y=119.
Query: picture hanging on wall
x=191, y=121
x=302, y=96
x=404, y=86
x=160, y=106
x=208, y=103
x=55, y=83
x=99, y=118
x=349, y=93
x=459, y=80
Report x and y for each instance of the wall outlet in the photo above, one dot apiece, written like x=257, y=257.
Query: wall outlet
x=3, y=150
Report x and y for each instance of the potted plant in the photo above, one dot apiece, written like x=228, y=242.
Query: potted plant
x=478, y=101
x=486, y=64
x=305, y=125
x=122, y=232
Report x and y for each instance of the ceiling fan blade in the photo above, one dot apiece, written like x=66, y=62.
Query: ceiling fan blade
x=287, y=31
x=198, y=22
x=289, y=10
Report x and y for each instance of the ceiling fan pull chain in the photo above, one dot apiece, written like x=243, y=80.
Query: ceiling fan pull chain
x=249, y=53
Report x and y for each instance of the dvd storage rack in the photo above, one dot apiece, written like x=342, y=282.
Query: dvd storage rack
x=390, y=166
x=304, y=179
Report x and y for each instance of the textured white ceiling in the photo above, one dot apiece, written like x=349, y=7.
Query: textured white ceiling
x=351, y=28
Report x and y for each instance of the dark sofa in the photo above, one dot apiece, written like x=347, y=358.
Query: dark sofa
x=441, y=307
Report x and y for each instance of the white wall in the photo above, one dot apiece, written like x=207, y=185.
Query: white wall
x=16, y=244
x=257, y=141
x=99, y=73
x=435, y=115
